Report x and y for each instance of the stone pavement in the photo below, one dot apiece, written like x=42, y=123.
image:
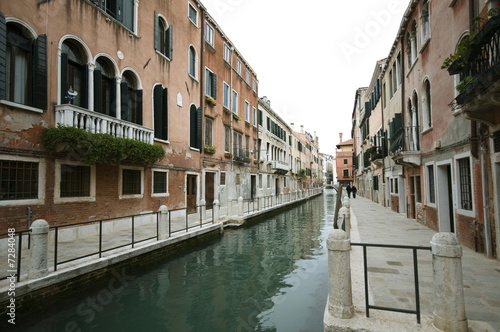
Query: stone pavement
x=391, y=270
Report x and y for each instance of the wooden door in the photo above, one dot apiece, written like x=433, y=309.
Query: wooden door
x=191, y=193
x=209, y=189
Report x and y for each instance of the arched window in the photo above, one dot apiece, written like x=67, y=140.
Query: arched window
x=426, y=105
x=411, y=44
x=25, y=69
x=425, y=19
x=414, y=144
x=163, y=36
x=104, y=87
x=131, y=98
x=74, y=74
x=193, y=60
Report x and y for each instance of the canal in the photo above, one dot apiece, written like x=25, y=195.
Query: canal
x=270, y=276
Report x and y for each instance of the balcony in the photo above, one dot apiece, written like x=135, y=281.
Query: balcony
x=377, y=155
x=405, y=146
x=241, y=155
x=97, y=123
x=279, y=167
x=479, y=69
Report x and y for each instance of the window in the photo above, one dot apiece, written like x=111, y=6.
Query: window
x=392, y=186
x=227, y=53
x=160, y=106
x=193, y=62
x=254, y=85
x=238, y=66
x=122, y=11
x=104, y=87
x=209, y=34
x=247, y=77
x=193, y=14
x=247, y=111
x=418, y=189
x=160, y=182
x=25, y=71
x=237, y=144
x=345, y=161
x=222, y=178
x=163, y=36
x=19, y=180
x=345, y=173
x=411, y=44
x=425, y=25
x=226, y=95
x=396, y=188
x=227, y=139
x=131, y=181
x=426, y=105
x=235, y=102
x=75, y=181
x=260, y=180
x=74, y=74
x=210, y=84
x=131, y=99
x=432, y=187
x=255, y=149
x=268, y=181
x=254, y=116
x=465, y=184
x=208, y=131
x=195, y=127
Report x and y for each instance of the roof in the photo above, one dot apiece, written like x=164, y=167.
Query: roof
x=344, y=143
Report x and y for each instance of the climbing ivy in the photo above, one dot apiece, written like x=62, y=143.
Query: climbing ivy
x=95, y=149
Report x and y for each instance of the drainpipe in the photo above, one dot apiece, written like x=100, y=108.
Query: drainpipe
x=403, y=102
x=231, y=110
x=202, y=73
x=486, y=198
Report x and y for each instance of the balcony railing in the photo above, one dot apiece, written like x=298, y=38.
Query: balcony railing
x=405, y=139
x=97, y=123
x=280, y=166
x=242, y=155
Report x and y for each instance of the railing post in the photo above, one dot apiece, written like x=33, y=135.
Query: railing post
x=449, y=312
x=164, y=231
x=203, y=204
x=39, y=249
x=261, y=203
x=340, y=303
x=281, y=197
x=229, y=207
x=345, y=215
x=216, y=211
x=240, y=206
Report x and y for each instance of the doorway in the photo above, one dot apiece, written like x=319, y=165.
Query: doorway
x=445, y=199
x=402, y=194
x=191, y=189
x=253, y=187
x=209, y=189
x=277, y=189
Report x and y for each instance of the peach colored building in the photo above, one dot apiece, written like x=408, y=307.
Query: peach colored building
x=344, y=164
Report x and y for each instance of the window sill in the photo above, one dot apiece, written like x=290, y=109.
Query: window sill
x=412, y=66
x=424, y=45
x=61, y=200
x=20, y=202
x=194, y=78
x=161, y=195
x=428, y=130
x=162, y=55
x=131, y=196
x=21, y=106
x=162, y=141
x=194, y=149
x=467, y=213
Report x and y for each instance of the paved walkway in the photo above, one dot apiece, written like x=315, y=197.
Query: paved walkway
x=391, y=270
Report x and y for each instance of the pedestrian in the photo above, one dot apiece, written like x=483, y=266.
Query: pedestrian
x=354, y=190
x=348, y=189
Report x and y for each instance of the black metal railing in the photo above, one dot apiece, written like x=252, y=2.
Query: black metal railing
x=415, y=271
x=240, y=154
x=13, y=254
x=190, y=224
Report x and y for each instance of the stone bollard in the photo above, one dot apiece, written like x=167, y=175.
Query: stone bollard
x=39, y=249
x=240, y=206
x=216, y=208
x=339, y=275
x=229, y=206
x=449, y=312
x=281, y=197
x=163, y=227
x=203, y=208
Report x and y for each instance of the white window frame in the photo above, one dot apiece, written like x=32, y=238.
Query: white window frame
x=247, y=111
x=120, y=182
x=238, y=66
x=226, y=96
x=254, y=116
x=195, y=77
x=42, y=168
x=227, y=53
x=247, y=78
x=196, y=10
x=207, y=121
x=427, y=185
x=57, y=185
x=208, y=82
x=458, y=198
x=254, y=85
x=159, y=170
x=209, y=34
x=234, y=102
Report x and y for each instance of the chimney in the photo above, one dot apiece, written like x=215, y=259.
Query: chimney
x=292, y=125
x=340, y=134
x=301, y=129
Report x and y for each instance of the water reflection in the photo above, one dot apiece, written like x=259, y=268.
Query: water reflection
x=271, y=276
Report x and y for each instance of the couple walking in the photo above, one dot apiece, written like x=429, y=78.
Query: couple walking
x=352, y=190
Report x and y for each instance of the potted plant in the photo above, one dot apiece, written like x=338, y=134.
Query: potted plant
x=210, y=100
x=209, y=149
x=228, y=154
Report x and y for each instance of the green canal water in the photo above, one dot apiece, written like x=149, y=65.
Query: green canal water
x=271, y=276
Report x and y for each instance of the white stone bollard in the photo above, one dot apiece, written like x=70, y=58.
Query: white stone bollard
x=163, y=227
x=339, y=275
x=240, y=206
x=39, y=249
x=449, y=306
x=229, y=206
x=216, y=208
x=203, y=208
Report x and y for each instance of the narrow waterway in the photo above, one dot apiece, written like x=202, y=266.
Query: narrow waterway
x=271, y=276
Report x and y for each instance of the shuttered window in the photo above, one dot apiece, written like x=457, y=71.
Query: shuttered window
x=160, y=105
x=163, y=36
x=195, y=123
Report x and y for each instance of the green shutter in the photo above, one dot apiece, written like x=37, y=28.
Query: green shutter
x=157, y=33
x=119, y=10
x=138, y=107
x=214, y=86
x=170, y=44
x=397, y=121
x=259, y=117
x=164, y=113
x=199, y=127
x=3, y=57
x=125, y=109
x=157, y=109
x=192, y=126
x=97, y=90
x=40, y=72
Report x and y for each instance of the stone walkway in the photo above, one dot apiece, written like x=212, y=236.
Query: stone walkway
x=391, y=270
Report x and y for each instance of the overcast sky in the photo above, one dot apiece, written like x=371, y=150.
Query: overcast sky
x=310, y=56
